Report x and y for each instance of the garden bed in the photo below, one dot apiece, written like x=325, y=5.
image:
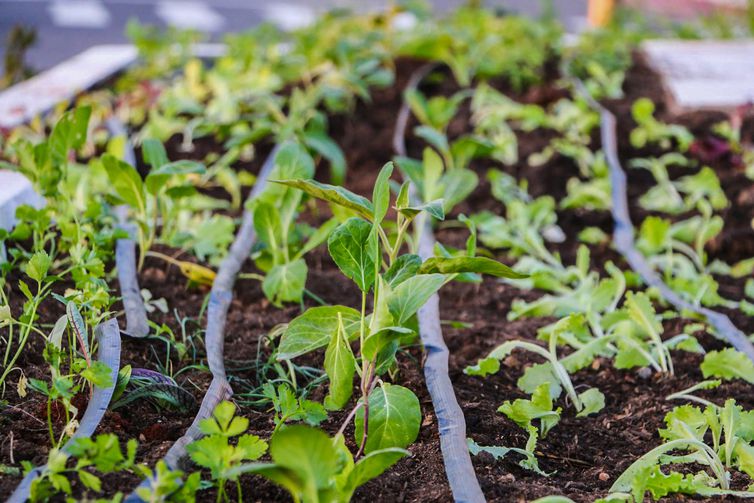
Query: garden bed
x=581, y=457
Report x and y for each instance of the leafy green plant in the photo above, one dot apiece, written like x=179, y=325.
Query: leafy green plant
x=524, y=412
x=365, y=252
x=554, y=374
x=287, y=407
x=687, y=430
x=701, y=190
x=282, y=251
x=102, y=453
x=154, y=198
x=315, y=468
x=677, y=250
x=215, y=452
x=166, y=485
x=650, y=131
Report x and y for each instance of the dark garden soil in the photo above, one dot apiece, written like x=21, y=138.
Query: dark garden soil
x=584, y=456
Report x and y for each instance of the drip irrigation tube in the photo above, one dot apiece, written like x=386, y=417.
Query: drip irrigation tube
x=450, y=419
x=220, y=299
x=137, y=324
x=108, y=337
x=623, y=233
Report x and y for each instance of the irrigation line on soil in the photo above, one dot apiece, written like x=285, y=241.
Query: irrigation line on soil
x=450, y=419
x=623, y=232
x=220, y=299
x=108, y=340
x=137, y=324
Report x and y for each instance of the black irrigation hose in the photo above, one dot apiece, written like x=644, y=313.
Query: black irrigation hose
x=450, y=419
x=108, y=337
x=220, y=299
x=137, y=324
x=623, y=233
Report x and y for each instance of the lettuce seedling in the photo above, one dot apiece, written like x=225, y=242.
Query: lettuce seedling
x=688, y=431
x=650, y=131
x=524, y=412
x=677, y=250
x=699, y=191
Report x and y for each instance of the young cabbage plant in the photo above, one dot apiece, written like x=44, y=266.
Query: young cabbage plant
x=718, y=439
x=650, y=131
x=282, y=248
x=315, y=468
x=400, y=284
x=153, y=200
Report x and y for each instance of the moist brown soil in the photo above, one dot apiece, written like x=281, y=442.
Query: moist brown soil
x=584, y=455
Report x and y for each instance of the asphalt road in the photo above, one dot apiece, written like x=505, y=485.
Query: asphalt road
x=66, y=27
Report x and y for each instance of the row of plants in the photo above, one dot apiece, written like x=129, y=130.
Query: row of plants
x=306, y=345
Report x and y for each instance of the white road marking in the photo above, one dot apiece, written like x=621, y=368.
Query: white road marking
x=79, y=14
x=190, y=15
x=288, y=16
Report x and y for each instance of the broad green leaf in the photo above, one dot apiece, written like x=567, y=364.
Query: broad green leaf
x=285, y=282
x=523, y=412
x=394, y=418
x=334, y=194
x=409, y=296
x=642, y=312
x=536, y=375
x=433, y=169
x=69, y=133
x=126, y=182
x=381, y=193
x=306, y=451
x=348, y=246
x=728, y=364
x=340, y=365
x=685, y=422
x=373, y=465
x=483, y=368
x=434, y=208
x=480, y=265
x=158, y=177
x=315, y=328
x=457, y=185
x=654, y=235
x=593, y=400
x=404, y=267
x=38, y=266
x=329, y=149
x=268, y=229
x=153, y=153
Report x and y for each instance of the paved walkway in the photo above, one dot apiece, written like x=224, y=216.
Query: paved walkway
x=66, y=27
